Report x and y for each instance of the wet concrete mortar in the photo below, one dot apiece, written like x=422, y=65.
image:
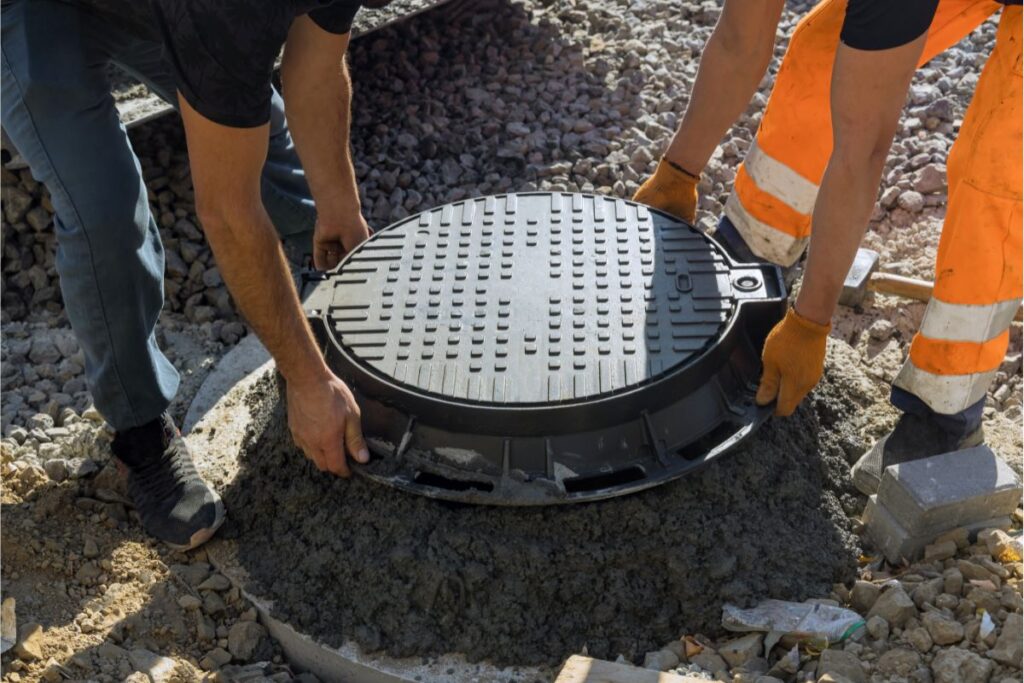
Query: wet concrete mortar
x=412, y=576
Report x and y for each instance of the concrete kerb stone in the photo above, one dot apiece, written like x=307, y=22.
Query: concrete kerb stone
x=898, y=544
x=240, y=362
x=215, y=438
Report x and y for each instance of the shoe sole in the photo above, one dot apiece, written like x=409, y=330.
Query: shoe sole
x=865, y=482
x=203, y=535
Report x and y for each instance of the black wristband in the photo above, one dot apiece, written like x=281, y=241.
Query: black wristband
x=695, y=176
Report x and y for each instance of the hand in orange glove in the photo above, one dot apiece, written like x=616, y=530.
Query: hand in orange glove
x=671, y=189
x=793, y=358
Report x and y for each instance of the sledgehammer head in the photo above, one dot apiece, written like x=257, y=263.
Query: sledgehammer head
x=856, y=285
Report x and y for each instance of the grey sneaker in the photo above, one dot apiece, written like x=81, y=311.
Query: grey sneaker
x=174, y=503
x=913, y=438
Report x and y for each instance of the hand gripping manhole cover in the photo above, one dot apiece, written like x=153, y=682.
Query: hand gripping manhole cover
x=538, y=348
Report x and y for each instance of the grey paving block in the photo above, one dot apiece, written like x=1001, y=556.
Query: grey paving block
x=885, y=531
x=898, y=544
x=953, y=489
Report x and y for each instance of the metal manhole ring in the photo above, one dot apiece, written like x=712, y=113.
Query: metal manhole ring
x=527, y=341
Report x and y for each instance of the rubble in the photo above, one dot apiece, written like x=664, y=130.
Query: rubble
x=535, y=95
x=839, y=663
x=895, y=606
x=29, y=647
x=937, y=636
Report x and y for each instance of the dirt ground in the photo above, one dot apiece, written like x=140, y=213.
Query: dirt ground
x=542, y=95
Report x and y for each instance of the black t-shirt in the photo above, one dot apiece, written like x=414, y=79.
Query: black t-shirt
x=222, y=52
x=885, y=24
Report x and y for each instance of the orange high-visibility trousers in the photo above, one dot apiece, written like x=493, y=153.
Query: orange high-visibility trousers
x=777, y=184
x=978, y=279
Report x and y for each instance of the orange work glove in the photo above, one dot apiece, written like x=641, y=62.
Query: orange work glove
x=793, y=359
x=671, y=189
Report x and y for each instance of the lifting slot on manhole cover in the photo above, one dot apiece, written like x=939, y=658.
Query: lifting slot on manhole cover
x=609, y=480
x=434, y=480
x=540, y=348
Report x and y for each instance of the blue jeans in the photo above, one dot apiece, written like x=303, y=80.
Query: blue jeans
x=59, y=112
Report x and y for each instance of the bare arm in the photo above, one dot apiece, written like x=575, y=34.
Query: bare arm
x=733, y=64
x=226, y=164
x=318, y=99
x=868, y=91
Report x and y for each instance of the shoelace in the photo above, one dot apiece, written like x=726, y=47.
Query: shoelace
x=162, y=478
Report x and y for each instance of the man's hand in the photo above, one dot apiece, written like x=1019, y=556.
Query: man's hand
x=324, y=421
x=333, y=239
x=794, y=359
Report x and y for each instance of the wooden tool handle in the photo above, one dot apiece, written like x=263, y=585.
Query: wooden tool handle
x=907, y=287
x=910, y=288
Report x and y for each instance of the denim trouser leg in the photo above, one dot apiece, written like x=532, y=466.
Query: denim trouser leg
x=286, y=194
x=59, y=113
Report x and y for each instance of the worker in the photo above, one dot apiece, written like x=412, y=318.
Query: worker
x=214, y=60
x=811, y=176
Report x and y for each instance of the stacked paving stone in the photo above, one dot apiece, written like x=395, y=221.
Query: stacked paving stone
x=919, y=500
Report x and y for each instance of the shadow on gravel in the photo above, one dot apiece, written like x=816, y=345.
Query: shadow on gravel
x=454, y=104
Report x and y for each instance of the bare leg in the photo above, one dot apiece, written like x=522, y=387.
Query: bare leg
x=733, y=64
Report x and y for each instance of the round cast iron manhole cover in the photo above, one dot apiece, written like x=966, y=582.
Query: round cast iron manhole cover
x=538, y=348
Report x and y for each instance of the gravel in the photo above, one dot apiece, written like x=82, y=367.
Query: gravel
x=540, y=94
x=939, y=639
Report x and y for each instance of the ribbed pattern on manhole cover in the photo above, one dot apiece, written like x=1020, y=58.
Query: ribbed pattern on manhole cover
x=530, y=298
x=545, y=347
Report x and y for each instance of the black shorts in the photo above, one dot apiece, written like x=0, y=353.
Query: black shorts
x=885, y=24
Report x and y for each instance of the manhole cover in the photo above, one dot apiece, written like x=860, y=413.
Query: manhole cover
x=545, y=347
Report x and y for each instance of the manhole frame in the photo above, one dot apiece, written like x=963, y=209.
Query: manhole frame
x=733, y=359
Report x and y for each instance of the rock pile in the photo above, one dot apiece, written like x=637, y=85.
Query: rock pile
x=539, y=94
x=953, y=617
